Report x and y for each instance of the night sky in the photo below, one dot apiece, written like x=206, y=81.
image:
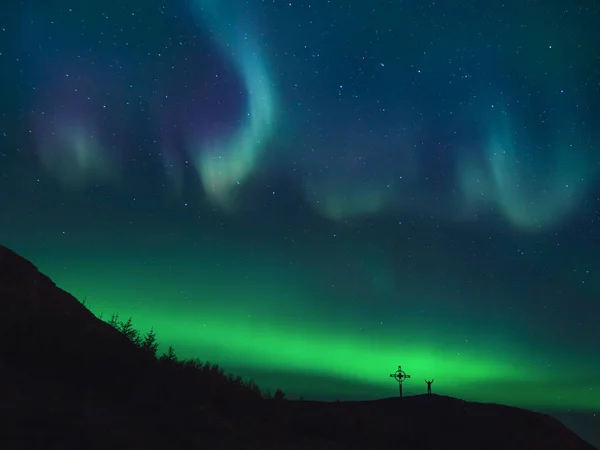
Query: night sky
x=312, y=193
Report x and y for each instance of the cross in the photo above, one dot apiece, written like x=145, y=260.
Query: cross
x=399, y=375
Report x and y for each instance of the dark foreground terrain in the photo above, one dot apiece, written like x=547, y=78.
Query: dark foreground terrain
x=68, y=380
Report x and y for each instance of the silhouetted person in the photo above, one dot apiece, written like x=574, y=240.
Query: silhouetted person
x=429, y=386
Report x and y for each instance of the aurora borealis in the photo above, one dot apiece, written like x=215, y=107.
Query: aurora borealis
x=313, y=193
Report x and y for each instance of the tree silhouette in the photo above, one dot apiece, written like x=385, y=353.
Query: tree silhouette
x=149, y=343
x=279, y=395
x=129, y=332
x=170, y=355
x=195, y=380
x=114, y=322
x=253, y=387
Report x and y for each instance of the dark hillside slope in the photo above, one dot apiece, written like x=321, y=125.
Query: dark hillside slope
x=430, y=422
x=47, y=332
x=68, y=380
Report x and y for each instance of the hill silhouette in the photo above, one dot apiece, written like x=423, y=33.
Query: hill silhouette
x=69, y=380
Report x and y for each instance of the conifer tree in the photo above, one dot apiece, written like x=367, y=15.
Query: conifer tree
x=129, y=332
x=149, y=343
x=170, y=355
x=279, y=395
x=114, y=321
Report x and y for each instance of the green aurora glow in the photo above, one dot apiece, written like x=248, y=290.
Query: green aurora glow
x=267, y=329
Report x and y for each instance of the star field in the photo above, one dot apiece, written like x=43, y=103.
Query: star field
x=311, y=193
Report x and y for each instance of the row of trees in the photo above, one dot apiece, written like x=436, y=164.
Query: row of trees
x=148, y=343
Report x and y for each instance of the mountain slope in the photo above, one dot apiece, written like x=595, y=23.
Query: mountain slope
x=45, y=330
x=70, y=381
x=432, y=422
